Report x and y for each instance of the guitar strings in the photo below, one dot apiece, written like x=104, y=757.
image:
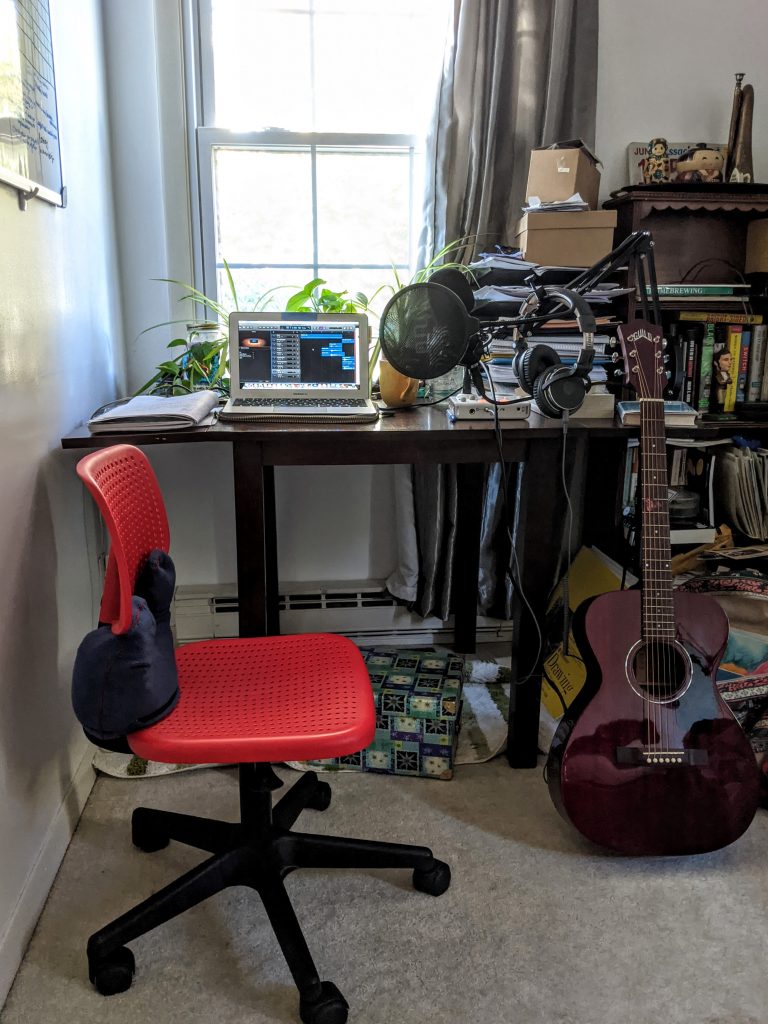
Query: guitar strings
x=651, y=598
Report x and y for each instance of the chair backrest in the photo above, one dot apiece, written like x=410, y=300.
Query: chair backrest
x=126, y=491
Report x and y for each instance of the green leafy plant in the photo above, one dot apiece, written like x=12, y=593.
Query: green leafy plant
x=206, y=363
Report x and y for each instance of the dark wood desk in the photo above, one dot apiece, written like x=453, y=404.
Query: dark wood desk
x=418, y=437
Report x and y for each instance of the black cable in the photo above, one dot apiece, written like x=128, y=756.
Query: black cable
x=513, y=573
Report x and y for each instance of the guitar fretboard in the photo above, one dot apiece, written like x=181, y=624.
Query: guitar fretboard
x=658, y=617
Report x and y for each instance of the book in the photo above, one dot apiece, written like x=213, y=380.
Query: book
x=730, y=367
x=678, y=414
x=761, y=330
x=682, y=290
x=716, y=317
x=155, y=412
x=743, y=366
x=756, y=363
x=705, y=368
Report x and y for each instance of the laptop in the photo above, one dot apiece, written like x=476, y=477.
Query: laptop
x=289, y=367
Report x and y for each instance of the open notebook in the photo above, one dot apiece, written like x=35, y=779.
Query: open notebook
x=293, y=367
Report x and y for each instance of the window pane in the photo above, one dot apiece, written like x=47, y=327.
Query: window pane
x=262, y=64
x=261, y=288
x=362, y=200
x=263, y=200
x=366, y=281
x=327, y=65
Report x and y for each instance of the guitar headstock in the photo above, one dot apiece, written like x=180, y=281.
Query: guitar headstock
x=642, y=346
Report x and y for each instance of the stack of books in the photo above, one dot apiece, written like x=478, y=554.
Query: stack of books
x=721, y=358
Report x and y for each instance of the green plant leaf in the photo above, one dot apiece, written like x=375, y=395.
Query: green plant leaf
x=176, y=343
x=232, y=289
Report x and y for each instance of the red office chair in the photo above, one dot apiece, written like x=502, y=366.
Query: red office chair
x=248, y=702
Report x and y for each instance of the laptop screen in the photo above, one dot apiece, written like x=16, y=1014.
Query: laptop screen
x=298, y=352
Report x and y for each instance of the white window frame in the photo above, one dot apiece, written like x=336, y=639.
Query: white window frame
x=204, y=137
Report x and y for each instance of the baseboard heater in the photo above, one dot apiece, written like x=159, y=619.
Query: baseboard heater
x=361, y=610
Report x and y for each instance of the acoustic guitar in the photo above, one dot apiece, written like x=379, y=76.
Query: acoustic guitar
x=649, y=760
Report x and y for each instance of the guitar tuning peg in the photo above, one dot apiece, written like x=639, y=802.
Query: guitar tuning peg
x=664, y=342
x=615, y=358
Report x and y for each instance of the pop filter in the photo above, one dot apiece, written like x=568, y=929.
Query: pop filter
x=425, y=329
x=457, y=282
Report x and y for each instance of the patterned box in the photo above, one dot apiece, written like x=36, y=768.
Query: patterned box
x=417, y=695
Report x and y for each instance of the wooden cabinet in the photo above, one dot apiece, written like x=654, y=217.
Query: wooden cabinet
x=699, y=231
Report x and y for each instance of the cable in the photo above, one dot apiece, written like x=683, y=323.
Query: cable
x=514, y=574
x=566, y=593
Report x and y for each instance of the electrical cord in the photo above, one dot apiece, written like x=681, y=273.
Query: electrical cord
x=513, y=573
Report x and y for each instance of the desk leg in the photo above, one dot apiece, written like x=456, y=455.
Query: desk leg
x=250, y=530
x=540, y=513
x=466, y=563
x=270, y=545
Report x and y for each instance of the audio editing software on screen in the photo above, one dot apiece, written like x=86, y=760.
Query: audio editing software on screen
x=306, y=355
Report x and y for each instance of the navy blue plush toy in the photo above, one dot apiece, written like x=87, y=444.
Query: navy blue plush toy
x=125, y=682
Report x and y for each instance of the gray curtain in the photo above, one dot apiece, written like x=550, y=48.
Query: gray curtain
x=517, y=74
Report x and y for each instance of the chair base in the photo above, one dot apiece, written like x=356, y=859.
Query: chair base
x=258, y=851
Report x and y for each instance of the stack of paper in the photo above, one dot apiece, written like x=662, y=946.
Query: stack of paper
x=741, y=482
x=570, y=205
x=154, y=412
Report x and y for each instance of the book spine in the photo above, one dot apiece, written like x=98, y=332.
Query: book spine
x=734, y=347
x=705, y=368
x=720, y=318
x=697, y=289
x=689, y=370
x=763, y=328
x=743, y=376
x=756, y=363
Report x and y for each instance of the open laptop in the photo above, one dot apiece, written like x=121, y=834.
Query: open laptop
x=288, y=367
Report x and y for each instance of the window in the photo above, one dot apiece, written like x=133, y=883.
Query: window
x=311, y=119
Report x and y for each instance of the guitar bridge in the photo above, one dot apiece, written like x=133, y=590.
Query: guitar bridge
x=639, y=755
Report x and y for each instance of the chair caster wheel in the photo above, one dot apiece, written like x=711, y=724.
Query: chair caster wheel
x=434, y=881
x=321, y=798
x=114, y=973
x=330, y=1007
x=145, y=833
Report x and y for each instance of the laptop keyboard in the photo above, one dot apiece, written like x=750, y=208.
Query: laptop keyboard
x=298, y=403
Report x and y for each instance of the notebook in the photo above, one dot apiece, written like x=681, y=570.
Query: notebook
x=293, y=367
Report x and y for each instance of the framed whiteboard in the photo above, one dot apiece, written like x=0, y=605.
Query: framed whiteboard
x=30, y=158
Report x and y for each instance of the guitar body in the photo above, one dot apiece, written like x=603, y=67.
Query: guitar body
x=646, y=772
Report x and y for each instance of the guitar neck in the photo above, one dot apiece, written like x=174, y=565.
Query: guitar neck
x=658, y=616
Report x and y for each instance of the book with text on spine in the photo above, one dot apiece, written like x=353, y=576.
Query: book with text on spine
x=701, y=290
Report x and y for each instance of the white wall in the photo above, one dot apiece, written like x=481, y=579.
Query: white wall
x=665, y=68
x=60, y=357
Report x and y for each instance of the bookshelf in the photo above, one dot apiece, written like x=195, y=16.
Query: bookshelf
x=700, y=240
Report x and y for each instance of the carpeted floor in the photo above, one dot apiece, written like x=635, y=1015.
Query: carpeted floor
x=537, y=928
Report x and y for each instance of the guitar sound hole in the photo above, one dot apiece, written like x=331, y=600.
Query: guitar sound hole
x=660, y=669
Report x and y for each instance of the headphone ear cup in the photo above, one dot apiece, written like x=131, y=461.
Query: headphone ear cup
x=531, y=363
x=559, y=390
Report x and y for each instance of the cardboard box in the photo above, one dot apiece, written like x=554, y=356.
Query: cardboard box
x=566, y=239
x=757, y=248
x=556, y=172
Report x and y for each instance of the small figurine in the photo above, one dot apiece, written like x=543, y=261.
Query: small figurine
x=700, y=164
x=656, y=167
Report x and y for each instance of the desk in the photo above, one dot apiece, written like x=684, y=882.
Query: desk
x=418, y=436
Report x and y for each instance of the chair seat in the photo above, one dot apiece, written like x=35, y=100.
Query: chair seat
x=276, y=698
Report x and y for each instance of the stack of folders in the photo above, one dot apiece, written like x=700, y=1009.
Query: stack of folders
x=741, y=485
x=155, y=412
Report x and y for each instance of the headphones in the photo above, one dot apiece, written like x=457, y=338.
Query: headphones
x=556, y=388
